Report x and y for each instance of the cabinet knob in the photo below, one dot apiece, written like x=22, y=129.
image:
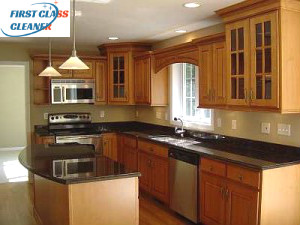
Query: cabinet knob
x=240, y=177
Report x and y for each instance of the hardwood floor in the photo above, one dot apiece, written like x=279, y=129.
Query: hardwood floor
x=16, y=208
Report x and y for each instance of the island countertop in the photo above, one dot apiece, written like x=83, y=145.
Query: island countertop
x=38, y=159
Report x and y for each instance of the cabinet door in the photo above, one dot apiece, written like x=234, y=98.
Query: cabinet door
x=219, y=74
x=205, y=75
x=237, y=48
x=118, y=77
x=64, y=73
x=144, y=165
x=130, y=158
x=212, y=203
x=142, y=81
x=264, y=60
x=110, y=146
x=85, y=74
x=242, y=205
x=100, y=79
x=160, y=178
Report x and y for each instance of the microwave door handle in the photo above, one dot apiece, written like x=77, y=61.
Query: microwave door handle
x=63, y=94
x=65, y=170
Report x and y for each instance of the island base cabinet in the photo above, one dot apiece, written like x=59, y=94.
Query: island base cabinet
x=92, y=203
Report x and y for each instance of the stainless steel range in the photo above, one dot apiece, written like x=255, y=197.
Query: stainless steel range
x=74, y=128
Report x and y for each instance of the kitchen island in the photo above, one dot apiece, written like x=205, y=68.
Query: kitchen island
x=74, y=186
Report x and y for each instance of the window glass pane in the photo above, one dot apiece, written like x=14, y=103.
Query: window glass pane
x=268, y=61
x=193, y=87
x=233, y=88
x=115, y=77
x=121, y=77
x=233, y=40
x=233, y=64
x=121, y=61
x=188, y=107
x=115, y=63
x=241, y=63
x=122, y=91
x=241, y=88
x=241, y=38
x=116, y=90
x=267, y=26
x=268, y=88
x=258, y=35
x=193, y=107
x=258, y=87
x=258, y=61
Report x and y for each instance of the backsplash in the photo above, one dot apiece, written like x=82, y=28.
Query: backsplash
x=248, y=124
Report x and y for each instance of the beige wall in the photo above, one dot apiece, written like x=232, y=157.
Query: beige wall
x=13, y=107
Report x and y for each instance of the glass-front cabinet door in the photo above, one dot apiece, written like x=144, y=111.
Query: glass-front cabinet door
x=118, y=79
x=237, y=38
x=264, y=60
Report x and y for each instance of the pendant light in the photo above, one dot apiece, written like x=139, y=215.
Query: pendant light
x=50, y=71
x=74, y=63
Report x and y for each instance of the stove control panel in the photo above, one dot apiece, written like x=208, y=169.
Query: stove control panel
x=64, y=118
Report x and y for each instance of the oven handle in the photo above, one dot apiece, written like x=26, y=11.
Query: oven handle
x=63, y=94
x=78, y=138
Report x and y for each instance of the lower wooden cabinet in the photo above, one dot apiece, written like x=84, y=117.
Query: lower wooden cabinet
x=224, y=201
x=44, y=139
x=109, y=145
x=155, y=175
x=130, y=153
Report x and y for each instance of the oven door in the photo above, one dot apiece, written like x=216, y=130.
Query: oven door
x=79, y=93
x=82, y=139
x=84, y=167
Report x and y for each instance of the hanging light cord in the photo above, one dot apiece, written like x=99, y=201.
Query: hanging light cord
x=74, y=47
x=50, y=47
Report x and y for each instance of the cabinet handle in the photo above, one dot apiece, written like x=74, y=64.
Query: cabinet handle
x=241, y=178
x=251, y=95
x=227, y=193
x=223, y=192
x=211, y=168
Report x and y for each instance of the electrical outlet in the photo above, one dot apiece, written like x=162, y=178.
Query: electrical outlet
x=46, y=116
x=265, y=128
x=136, y=114
x=284, y=129
x=166, y=116
x=158, y=115
x=219, y=122
x=233, y=125
x=102, y=114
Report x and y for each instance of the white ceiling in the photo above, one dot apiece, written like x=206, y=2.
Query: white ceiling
x=136, y=20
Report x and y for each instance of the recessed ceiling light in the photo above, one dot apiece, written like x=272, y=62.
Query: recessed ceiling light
x=191, y=5
x=180, y=31
x=113, y=38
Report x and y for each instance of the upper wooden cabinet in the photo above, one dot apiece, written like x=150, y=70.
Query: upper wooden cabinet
x=56, y=63
x=150, y=88
x=121, y=70
x=212, y=75
x=263, y=70
x=101, y=82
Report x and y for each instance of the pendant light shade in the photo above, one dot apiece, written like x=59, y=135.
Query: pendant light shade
x=74, y=63
x=50, y=71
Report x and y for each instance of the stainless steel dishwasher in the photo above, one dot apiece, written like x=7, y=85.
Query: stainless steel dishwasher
x=183, y=176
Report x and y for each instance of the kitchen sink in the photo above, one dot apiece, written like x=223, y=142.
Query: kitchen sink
x=175, y=140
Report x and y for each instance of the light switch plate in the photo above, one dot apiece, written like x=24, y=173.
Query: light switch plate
x=233, y=124
x=46, y=116
x=102, y=114
x=284, y=129
x=219, y=122
x=265, y=128
x=166, y=116
x=136, y=113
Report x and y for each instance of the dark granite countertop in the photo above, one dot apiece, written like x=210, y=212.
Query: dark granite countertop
x=248, y=153
x=38, y=159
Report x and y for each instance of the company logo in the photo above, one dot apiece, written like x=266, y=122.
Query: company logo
x=35, y=18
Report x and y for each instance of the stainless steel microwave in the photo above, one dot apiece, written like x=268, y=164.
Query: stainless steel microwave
x=70, y=91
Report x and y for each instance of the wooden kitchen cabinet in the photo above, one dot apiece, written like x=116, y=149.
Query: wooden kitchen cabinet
x=262, y=51
x=109, y=145
x=44, y=139
x=212, y=71
x=155, y=170
x=56, y=63
x=121, y=70
x=212, y=204
x=150, y=88
x=229, y=194
x=130, y=152
x=85, y=74
x=101, y=82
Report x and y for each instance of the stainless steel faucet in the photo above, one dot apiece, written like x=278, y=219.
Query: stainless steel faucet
x=180, y=131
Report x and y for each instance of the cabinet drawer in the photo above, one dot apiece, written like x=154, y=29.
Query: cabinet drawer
x=153, y=148
x=213, y=166
x=129, y=141
x=243, y=175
